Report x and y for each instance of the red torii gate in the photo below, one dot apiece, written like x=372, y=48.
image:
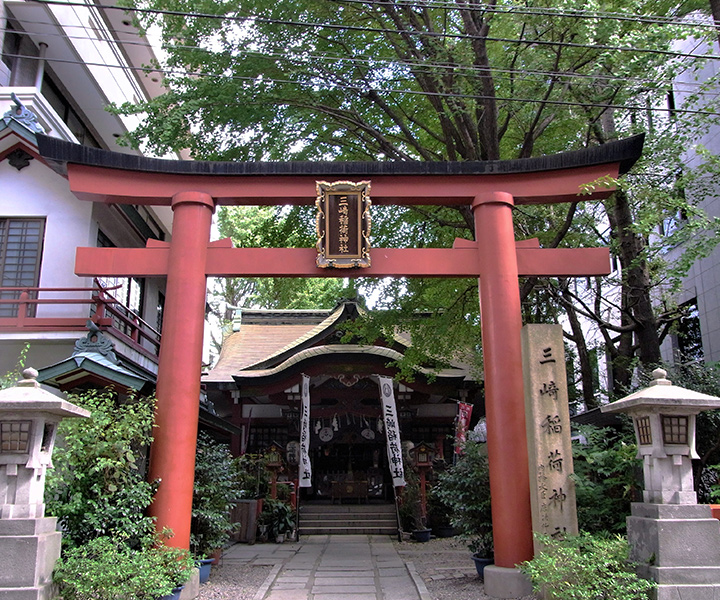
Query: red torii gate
x=193, y=189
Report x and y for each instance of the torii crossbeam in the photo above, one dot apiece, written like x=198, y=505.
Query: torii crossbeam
x=193, y=189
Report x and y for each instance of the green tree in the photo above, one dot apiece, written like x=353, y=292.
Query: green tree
x=427, y=80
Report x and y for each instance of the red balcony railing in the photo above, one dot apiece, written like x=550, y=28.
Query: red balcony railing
x=19, y=307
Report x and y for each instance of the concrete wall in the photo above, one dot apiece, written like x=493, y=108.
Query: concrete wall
x=703, y=279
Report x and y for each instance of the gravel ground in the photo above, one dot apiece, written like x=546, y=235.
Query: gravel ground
x=234, y=582
x=443, y=563
x=447, y=569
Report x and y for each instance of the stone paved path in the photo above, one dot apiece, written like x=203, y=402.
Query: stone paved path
x=350, y=567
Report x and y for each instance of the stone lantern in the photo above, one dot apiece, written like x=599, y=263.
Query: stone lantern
x=29, y=544
x=673, y=540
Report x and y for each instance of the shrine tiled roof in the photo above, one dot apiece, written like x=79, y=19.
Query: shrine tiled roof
x=267, y=333
x=267, y=342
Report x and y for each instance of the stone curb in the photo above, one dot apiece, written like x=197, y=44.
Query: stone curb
x=263, y=590
x=418, y=581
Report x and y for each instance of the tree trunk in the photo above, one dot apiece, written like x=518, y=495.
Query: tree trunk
x=586, y=371
x=636, y=302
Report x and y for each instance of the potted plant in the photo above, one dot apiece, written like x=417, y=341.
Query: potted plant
x=411, y=515
x=213, y=493
x=279, y=518
x=439, y=516
x=465, y=489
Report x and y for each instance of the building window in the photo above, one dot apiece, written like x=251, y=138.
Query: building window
x=129, y=291
x=261, y=438
x=21, y=244
x=689, y=336
x=71, y=117
x=160, y=311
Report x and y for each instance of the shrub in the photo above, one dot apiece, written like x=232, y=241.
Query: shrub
x=584, y=567
x=214, y=490
x=465, y=489
x=104, y=569
x=98, y=486
x=607, y=478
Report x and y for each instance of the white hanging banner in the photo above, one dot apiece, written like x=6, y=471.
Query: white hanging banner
x=392, y=431
x=305, y=469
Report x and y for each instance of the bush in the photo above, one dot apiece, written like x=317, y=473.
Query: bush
x=608, y=477
x=98, y=486
x=586, y=567
x=103, y=569
x=464, y=489
x=214, y=490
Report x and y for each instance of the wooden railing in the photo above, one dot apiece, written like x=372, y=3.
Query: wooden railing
x=19, y=307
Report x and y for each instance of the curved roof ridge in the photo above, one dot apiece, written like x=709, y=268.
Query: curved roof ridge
x=331, y=319
x=315, y=351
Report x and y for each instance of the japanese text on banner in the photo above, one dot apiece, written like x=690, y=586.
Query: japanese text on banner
x=305, y=469
x=392, y=431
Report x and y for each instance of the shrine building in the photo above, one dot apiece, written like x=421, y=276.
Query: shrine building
x=255, y=386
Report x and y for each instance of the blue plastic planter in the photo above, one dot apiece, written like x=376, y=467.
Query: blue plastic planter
x=204, y=565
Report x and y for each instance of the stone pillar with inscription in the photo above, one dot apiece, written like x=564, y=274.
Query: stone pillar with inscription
x=547, y=418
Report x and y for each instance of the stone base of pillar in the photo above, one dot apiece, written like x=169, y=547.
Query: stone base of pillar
x=677, y=546
x=30, y=548
x=502, y=582
x=192, y=586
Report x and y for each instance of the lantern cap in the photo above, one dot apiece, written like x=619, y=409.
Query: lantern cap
x=27, y=396
x=662, y=394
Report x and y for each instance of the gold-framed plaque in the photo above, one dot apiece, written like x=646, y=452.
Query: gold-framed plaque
x=343, y=224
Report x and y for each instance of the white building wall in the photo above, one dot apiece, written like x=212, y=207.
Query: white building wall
x=36, y=191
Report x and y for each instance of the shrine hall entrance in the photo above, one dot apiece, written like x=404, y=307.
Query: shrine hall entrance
x=350, y=472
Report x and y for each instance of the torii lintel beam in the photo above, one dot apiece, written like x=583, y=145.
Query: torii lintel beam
x=104, y=176
x=300, y=262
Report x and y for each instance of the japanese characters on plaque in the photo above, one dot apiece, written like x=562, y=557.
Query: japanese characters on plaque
x=304, y=467
x=343, y=224
x=392, y=431
x=552, y=490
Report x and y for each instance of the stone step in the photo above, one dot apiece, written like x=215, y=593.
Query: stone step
x=346, y=508
x=320, y=522
x=348, y=519
x=348, y=530
x=331, y=516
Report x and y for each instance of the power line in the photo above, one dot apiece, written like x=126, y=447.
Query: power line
x=543, y=12
x=333, y=26
x=524, y=74
x=361, y=60
x=364, y=91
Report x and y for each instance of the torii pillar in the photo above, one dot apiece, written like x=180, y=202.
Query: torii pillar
x=172, y=454
x=501, y=323
x=492, y=188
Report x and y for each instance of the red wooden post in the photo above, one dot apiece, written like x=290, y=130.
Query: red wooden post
x=23, y=306
x=423, y=494
x=504, y=395
x=172, y=456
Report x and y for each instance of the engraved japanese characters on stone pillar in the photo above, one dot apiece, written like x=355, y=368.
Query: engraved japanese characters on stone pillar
x=552, y=490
